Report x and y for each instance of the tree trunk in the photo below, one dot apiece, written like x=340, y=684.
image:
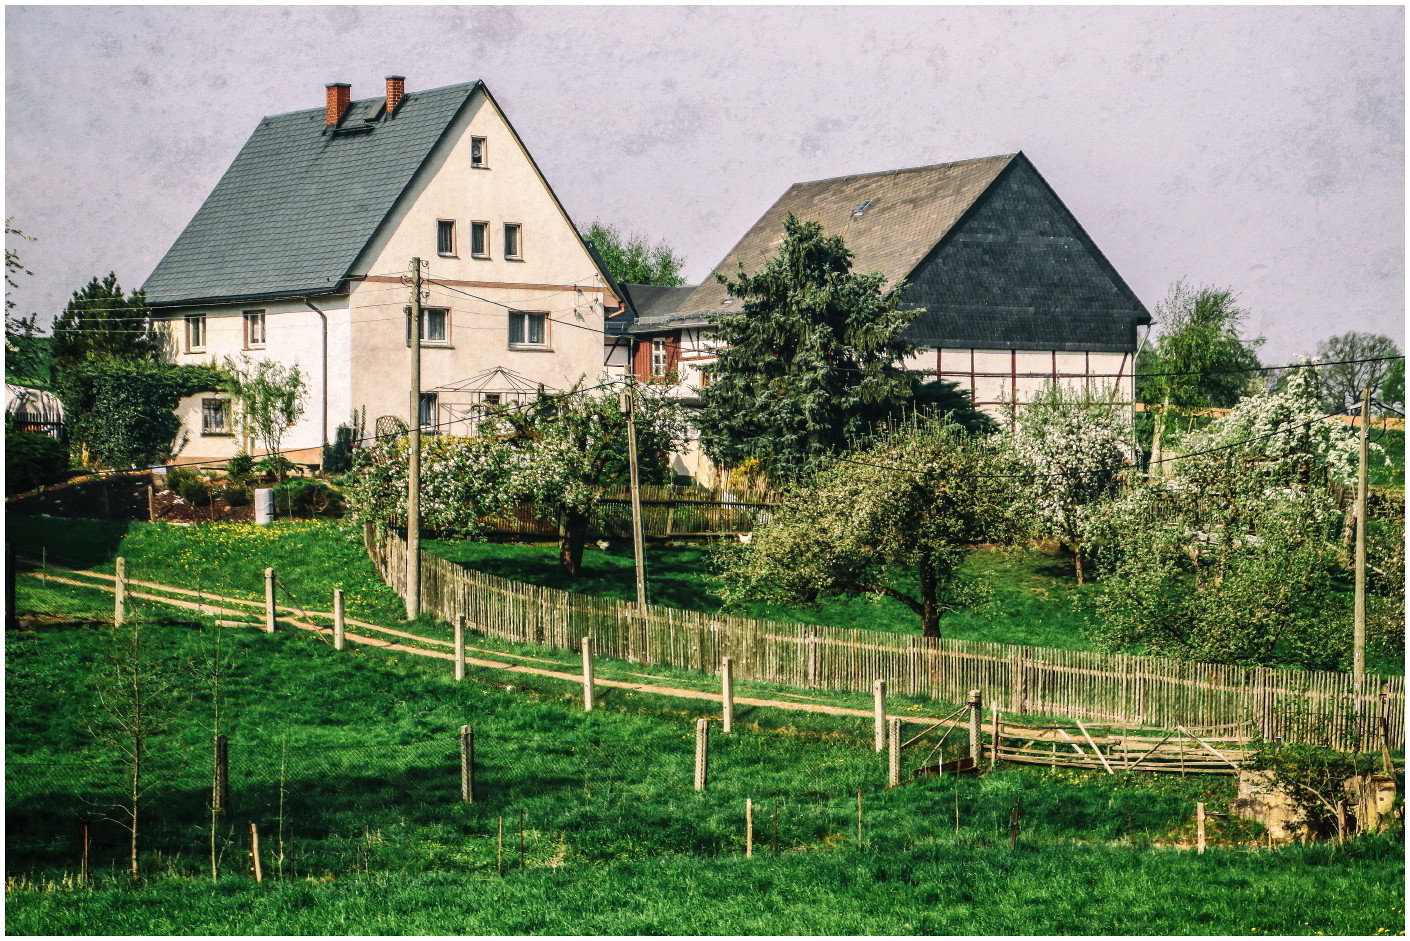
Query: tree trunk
x=572, y=534
x=929, y=598
x=1156, y=435
x=1076, y=546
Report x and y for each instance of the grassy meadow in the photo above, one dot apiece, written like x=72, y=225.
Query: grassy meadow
x=347, y=763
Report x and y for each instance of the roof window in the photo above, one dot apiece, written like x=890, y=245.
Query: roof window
x=861, y=208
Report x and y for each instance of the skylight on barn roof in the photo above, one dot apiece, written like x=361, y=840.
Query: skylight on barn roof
x=861, y=208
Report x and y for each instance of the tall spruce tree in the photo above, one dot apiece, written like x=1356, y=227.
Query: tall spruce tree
x=811, y=364
x=101, y=320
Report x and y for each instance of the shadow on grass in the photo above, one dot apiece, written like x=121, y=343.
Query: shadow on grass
x=76, y=543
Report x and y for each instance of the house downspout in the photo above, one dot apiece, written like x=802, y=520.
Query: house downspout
x=323, y=317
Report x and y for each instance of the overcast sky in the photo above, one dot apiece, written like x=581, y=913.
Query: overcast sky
x=1256, y=148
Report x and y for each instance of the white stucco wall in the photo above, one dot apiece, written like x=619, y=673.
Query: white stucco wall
x=294, y=336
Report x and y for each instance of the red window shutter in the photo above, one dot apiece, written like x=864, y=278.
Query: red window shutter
x=641, y=360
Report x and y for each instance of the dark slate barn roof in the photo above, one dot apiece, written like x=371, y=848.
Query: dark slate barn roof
x=300, y=202
x=987, y=249
x=658, y=306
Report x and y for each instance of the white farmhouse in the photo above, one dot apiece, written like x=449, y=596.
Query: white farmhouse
x=302, y=254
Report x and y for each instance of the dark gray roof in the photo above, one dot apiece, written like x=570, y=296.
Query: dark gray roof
x=988, y=251
x=658, y=307
x=301, y=201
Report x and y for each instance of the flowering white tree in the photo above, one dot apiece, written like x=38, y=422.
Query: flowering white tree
x=573, y=449
x=1076, y=447
x=903, y=511
x=462, y=480
x=1234, y=557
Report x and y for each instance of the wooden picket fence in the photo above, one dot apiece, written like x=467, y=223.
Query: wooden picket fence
x=666, y=511
x=1108, y=689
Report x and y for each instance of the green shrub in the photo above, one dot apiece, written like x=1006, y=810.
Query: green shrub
x=273, y=465
x=235, y=494
x=32, y=460
x=188, y=485
x=337, y=457
x=304, y=497
x=240, y=469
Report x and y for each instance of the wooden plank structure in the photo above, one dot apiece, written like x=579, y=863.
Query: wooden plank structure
x=1227, y=702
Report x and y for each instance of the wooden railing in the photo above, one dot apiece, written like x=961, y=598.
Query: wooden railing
x=1108, y=689
x=666, y=511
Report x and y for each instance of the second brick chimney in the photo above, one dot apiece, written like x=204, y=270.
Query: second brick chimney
x=396, y=88
x=339, y=96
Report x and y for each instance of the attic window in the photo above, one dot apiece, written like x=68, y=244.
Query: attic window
x=479, y=153
x=861, y=208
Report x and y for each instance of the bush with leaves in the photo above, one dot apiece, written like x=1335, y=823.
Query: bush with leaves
x=301, y=496
x=338, y=454
x=1312, y=776
x=240, y=469
x=1076, y=447
x=904, y=511
x=33, y=460
x=1235, y=557
x=188, y=485
x=120, y=411
x=462, y=480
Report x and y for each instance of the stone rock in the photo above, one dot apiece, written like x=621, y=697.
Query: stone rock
x=1371, y=798
x=1260, y=800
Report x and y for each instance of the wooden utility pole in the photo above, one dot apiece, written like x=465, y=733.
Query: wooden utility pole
x=413, y=471
x=1358, y=654
x=629, y=407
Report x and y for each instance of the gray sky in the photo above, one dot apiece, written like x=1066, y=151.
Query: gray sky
x=1256, y=148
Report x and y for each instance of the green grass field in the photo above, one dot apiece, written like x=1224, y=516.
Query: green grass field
x=347, y=763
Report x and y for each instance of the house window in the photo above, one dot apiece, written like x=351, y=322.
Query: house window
x=435, y=325
x=445, y=237
x=491, y=398
x=658, y=357
x=195, y=333
x=215, y=416
x=526, y=329
x=480, y=239
x=479, y=153
x=511, y=240
x=254, y=330
x=429, y=403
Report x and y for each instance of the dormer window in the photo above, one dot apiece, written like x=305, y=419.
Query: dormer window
x=479, y=153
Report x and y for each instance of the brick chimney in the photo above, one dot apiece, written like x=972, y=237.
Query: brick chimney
x=396, y=88
x=339, y=96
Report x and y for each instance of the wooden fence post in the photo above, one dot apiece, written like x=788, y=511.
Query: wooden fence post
x=994, y=737
x=702, y=746
x=893, y=754
x=467, y=764
x=1018, y=688
x=1199, y=827
x=748, y=828
x=974, y=735
x=459, y=648
x=254, y=852
x=220, y=790
x=878, y=699
x=587, y=674
x=269, y=601
x=727, y=695
x=339, y=622
x=119, y=591
x=812, y=655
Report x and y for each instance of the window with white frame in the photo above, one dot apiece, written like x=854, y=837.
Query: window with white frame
x=480, y=239
x=445, y=236
x=215, y=417
x=512, y=240
x=195, y=333
x=435, y=326
x=658, y=357
x=430, y=403
x=527, y=329
x=254, y=330
x=479, y=153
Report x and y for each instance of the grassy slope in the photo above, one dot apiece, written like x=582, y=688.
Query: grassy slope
x=616, y=840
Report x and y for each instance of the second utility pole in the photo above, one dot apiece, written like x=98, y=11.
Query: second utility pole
x=413, y=469
x=1358, y=629
x=629, y=406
